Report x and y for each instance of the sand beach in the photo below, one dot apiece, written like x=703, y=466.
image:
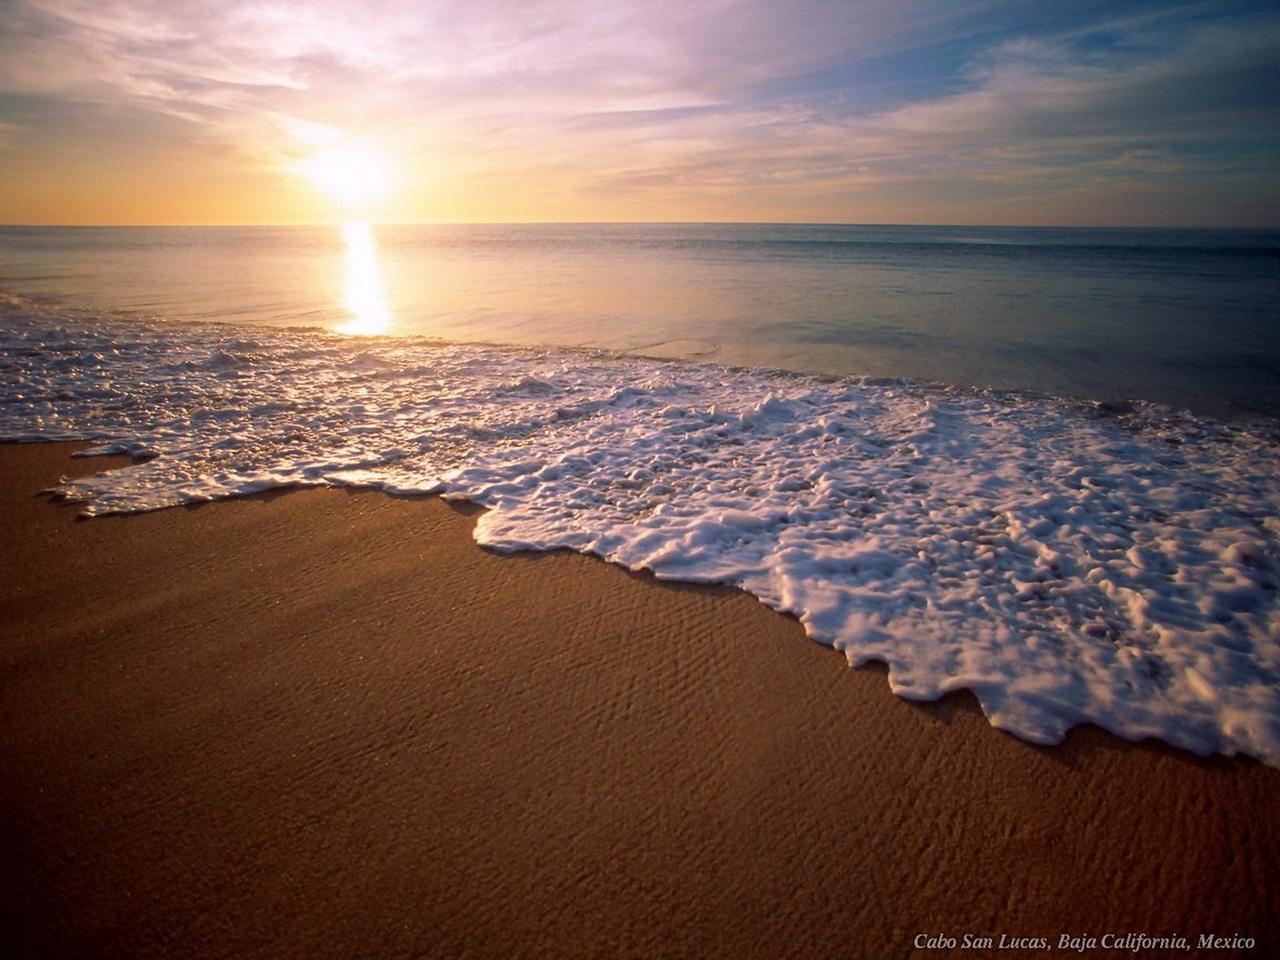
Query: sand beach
x=710, y=480
x=327, y=724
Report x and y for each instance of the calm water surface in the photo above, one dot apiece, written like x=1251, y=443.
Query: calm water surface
x=1190, y=318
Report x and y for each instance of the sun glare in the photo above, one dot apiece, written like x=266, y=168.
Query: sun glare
x=354, y=174
x=364, y=299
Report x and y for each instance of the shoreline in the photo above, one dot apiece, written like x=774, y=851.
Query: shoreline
x=325, y=723
x=1107, y=404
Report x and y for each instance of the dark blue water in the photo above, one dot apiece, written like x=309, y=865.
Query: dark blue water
x=1185, y=317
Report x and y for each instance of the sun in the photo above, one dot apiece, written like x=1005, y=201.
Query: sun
x=352, y=173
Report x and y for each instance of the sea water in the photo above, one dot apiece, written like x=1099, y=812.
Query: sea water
x=1189, y=318
x=1067, y=560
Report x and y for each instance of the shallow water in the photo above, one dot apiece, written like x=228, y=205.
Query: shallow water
x=1067, y=562
x=1183, y=317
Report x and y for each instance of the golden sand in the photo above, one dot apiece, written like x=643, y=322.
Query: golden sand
x=327, y=724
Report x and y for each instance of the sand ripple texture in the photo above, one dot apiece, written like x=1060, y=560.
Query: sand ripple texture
x=1067, y=562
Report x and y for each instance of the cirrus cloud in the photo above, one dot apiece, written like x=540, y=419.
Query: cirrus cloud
x=564, y=109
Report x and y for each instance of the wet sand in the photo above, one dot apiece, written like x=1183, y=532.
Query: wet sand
x=327, y=724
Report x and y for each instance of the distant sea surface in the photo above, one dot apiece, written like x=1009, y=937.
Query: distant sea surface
x=1189, y=318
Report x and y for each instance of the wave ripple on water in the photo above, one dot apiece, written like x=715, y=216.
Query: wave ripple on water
x=1066, y=562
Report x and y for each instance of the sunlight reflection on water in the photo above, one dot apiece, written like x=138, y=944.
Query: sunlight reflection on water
x=1185, y=317
x=363, y=294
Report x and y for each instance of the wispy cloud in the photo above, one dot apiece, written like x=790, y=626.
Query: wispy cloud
x=1041, y=111
x=710, y=106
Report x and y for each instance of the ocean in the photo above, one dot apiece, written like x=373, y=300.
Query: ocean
x=1188, y=318
x=893, y=434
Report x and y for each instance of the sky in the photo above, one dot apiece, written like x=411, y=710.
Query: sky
x=903, y=111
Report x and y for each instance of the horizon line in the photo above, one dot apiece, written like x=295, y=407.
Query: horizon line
x=654, y=223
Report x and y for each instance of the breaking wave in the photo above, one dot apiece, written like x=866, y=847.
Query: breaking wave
x=1067, y=562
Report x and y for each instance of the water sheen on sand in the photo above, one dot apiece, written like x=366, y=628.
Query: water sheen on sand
x=1066, y=562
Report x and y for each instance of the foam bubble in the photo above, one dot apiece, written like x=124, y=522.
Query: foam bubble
x=1066, y=562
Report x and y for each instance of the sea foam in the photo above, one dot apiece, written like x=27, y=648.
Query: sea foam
x=1067, y=562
